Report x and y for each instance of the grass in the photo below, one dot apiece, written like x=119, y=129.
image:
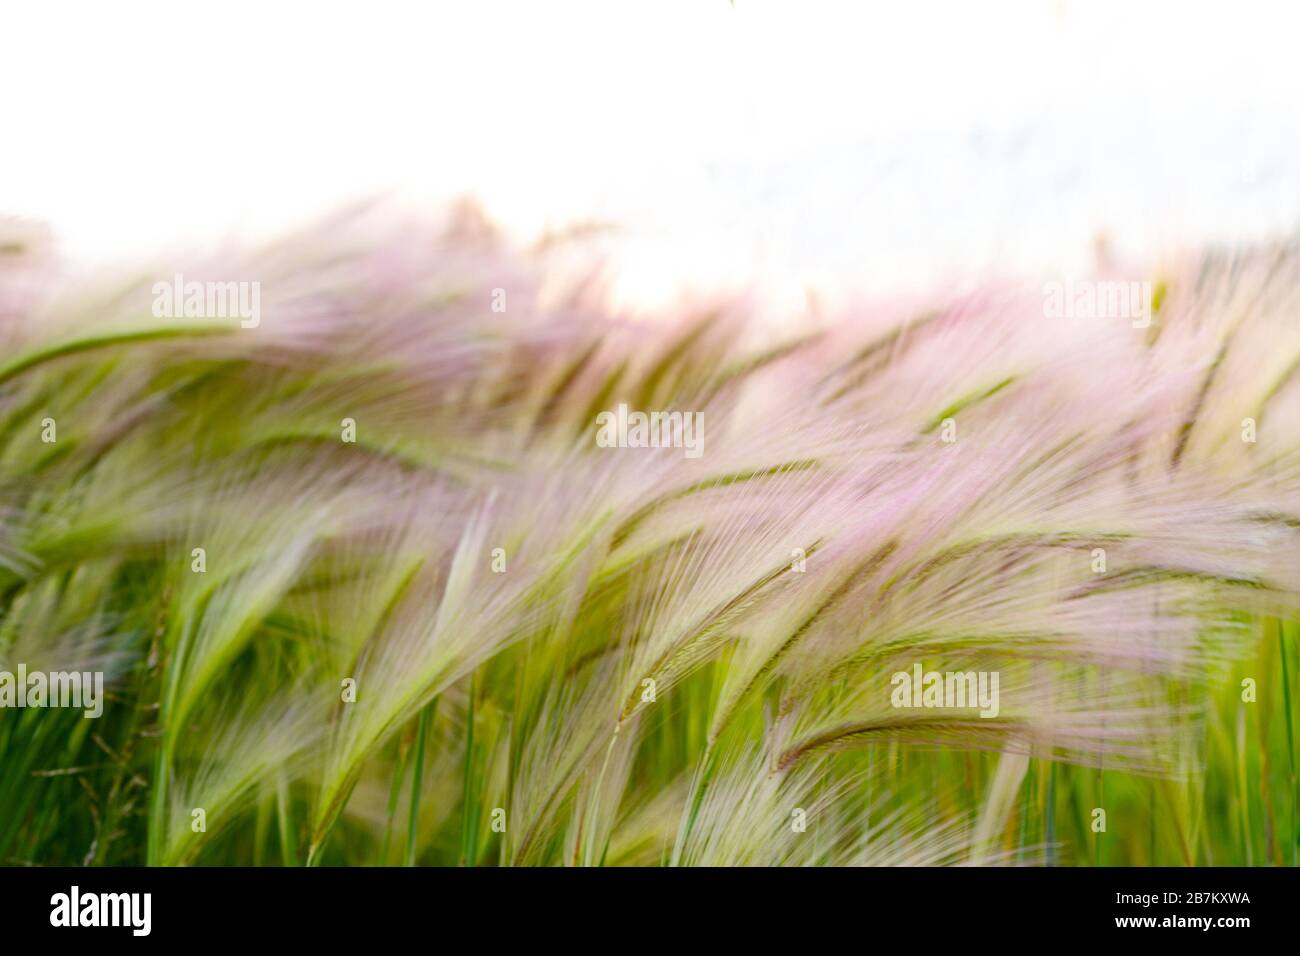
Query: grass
x=567, y=655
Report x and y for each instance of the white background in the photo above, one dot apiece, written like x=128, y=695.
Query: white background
x=876, y=146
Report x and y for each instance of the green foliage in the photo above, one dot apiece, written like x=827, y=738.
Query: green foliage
x=563, y=654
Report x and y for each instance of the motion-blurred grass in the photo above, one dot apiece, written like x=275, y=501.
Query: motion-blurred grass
x=501, y=713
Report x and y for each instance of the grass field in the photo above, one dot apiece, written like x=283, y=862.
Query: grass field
x=366, y=591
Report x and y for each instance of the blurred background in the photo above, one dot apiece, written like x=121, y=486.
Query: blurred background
x=840, y=147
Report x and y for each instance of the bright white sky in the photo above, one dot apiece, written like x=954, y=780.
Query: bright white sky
x=875, y=146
